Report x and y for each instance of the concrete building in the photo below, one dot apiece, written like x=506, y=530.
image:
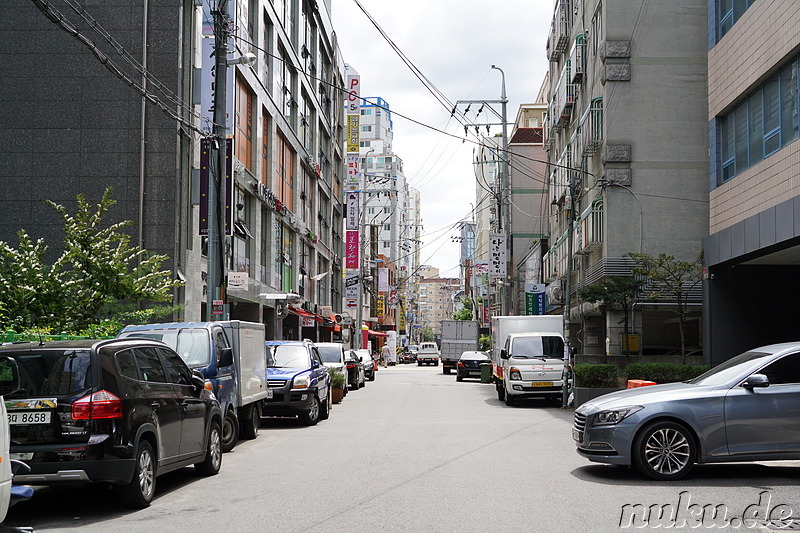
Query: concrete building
x=751, y=253
x=626, y=138
x=76, y=128
x=436, y=301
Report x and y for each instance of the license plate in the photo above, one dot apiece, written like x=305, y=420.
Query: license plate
x=577, y=435
x=542, y=384
x=30, y=417
x=269, y=394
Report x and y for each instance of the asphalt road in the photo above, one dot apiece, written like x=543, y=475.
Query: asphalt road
x=416, y=451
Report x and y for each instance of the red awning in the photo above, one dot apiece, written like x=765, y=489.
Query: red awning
x=302, y=312
x=378, y=333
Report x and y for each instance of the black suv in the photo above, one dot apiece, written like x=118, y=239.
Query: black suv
x=121, y=411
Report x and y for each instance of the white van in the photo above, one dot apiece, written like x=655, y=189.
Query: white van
x=9, y=383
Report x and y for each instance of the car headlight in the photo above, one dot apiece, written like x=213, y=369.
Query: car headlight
x=615, y=416
x=301, y=382
x=514, y=374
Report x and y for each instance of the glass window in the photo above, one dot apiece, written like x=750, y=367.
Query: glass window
x=177, y=371
x=740, y=128
x=772, y=116
x=754, y=107
x=126, y=364
x=52, y=372
x=783, y=371
x=149, y=363
x=789, y=103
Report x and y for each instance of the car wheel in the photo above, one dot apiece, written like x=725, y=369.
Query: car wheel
x=139, y=492
x=213, y=461
x=459, y=378
x=419, y=363
x=501, y=392
x=230, y=431
x=253, y=422
x=310, y=416
x=372, y=376
x=510, y=400
x=664, y=451
x=447, y=370
x=436, y=363
x=325, y=408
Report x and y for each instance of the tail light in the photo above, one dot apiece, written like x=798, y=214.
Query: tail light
x=351, y=366
x=460, y=364
x=95, y=406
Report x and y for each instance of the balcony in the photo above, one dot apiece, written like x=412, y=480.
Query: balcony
x=589, y=229
x=591, y=128
x=577, y=58
x=560, y=27
x=564, y=97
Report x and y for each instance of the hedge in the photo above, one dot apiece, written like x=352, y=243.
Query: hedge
x=663, y=372
x=596, y=375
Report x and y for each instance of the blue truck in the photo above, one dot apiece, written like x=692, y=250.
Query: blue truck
x=232, y=358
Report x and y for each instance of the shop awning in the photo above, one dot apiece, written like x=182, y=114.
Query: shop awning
x=302, y=312
x=378, y=333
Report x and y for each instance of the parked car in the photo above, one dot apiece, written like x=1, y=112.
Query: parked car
x=469, y=364
x=299, y=384
x=370, y=365
x=332, y=354
x=356, y=376
x=744, y=409
x=119, y=411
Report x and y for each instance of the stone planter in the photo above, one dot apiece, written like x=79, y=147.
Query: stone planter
x=337, y=394
x=584, y=394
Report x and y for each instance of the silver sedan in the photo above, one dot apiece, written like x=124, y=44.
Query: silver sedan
x=745, y=409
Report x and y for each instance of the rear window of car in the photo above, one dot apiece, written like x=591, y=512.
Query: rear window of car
x=330, y=354
x=52, y=372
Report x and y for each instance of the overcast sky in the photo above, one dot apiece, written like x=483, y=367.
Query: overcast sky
x=454, y=43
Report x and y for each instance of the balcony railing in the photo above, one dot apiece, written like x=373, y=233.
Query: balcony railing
x=590, y=228
x=592, y=128
x=577, y=58
x=560, y=27
x=564, y=96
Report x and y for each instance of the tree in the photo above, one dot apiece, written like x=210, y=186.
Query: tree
x=465, y=313
x=98, y=268
x=615, y=292
x=671, y=278
x=426, y=334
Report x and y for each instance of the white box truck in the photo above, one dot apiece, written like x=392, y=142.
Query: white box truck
x=528, y=357
x=458, y=336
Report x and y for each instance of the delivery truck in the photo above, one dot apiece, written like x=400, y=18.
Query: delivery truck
x=528, y=357
x=458, y=336
x=232, y=358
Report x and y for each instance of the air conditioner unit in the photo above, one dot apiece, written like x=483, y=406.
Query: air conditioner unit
x=555, y=294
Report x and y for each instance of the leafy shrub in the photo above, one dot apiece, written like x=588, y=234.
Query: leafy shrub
x=596, y=375
x=663, y=372
x=337, y=378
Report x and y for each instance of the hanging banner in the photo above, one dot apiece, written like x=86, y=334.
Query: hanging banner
x=353, y=133
x=534, y=299
x=206, y=160
x=354, y=95
x=352, y=211
x=351, y=289
x=497, y=255
x=383, y=279
x=351, y=250
x=380, y=308
x=352, y=182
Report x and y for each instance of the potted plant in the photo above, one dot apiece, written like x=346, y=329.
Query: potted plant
x=593, y=380
x=337, y=385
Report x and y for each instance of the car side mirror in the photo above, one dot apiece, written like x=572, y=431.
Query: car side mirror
x=314, y=364
x=503, y=354
x=225, y=357
x=198, y=380
x=756, y=381
x=9, y=376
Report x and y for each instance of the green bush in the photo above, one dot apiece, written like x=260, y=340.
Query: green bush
x=663, y=372
x=337, y=378
x=596, y=375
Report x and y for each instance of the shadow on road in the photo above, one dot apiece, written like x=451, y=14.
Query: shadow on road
x=716, y=475
x=76, y=505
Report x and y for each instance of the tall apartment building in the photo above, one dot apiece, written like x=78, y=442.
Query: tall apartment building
x=751, y=253
x=79, y=128
x=436, y=301
x=626, y=138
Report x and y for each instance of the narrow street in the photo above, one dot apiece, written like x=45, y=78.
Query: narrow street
x=412, y=451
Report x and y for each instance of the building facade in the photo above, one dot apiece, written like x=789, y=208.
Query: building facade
x=142, y=132
x=626, y=138
x=751, y=253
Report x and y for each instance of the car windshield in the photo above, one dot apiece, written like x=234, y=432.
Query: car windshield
x=52, y=373
x=192, y=344
x=330, y=354
x=538, y=346
x=728, y=370
x=287, y=355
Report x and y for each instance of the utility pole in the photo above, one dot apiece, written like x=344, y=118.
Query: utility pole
x=216, y=182
x=505, y=196
x=573, y=190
